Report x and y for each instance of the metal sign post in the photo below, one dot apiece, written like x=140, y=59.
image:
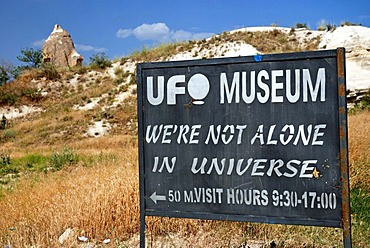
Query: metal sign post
x=259, y=138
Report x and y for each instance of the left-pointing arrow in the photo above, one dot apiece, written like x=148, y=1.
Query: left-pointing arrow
x=156, y=197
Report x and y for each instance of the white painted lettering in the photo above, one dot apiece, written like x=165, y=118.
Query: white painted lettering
x=150, y=90
x=194, y=133
x=317, y=134
x=252, y=94
x=290, y=136
x=269, y=137
x=257, y=166
x=292, y=98
x=258, y=135
x=230, y=92
x=275, y=86
x=240, y=133
x=263, y=98
x=223, y=136
x=306, y=170
x=309, y=88
x=173, y=89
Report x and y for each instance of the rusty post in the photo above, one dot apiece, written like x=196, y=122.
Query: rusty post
x=343, y=138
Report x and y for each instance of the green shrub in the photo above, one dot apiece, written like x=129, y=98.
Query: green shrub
x=118, y=71
x=363, y=104
x=8, y=98
x=7, y=135
x=32, y=94
x=9, y=170
x=33, y=162
x=132, y=79
x=6, y=165
x=81, y=69
x=330, y=27
x=119, y=80
x=365, y=100
x=66, y=157
x=3, y=122
x=123, y=88
x=4, y=75
x=347, y=23
x=48, y=71
x=5, y=160
x=100, y=61
x=301, y=25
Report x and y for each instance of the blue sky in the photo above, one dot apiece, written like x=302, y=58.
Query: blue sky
x=119, y=27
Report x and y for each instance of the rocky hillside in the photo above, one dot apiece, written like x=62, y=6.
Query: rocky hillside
x=68, y=152
x=91, y=102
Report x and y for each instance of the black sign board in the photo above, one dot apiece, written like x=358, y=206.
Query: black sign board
x=260, y=138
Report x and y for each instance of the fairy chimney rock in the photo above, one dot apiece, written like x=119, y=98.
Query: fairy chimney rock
x=59, y=49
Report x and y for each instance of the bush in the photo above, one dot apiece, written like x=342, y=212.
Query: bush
x=65, y=158
x=347, y=23
x=33, y=162
x=7, y=72
x=19, y=92
x=330, y=27
x=48, y=71
x=365, y=100
x=4, y=77
x=301, y=25
x=6, y=165
x=8, y=98
x=100, y=61
x=118, y=71
x=7, y=135
x=5, y=160
x=363, y=104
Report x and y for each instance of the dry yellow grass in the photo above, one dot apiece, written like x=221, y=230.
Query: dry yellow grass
x=102, y=201
x=359, y=149
x=99, y=202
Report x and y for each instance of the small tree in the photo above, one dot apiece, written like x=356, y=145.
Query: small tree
x=4, y=77
x=7, y=72
x=33, y=58
x=100, y=60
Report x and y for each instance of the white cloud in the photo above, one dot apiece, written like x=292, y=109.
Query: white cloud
x=156, y=31
x=180, y=35
x=38, y=43
x=123, y=33
x=160, y=32
x=88, y=48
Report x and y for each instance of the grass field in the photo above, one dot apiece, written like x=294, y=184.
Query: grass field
x=92, y=187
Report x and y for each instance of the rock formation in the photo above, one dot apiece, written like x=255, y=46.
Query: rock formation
x=59, y=49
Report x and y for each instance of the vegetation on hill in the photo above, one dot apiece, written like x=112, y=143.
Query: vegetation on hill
x=54, y=176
